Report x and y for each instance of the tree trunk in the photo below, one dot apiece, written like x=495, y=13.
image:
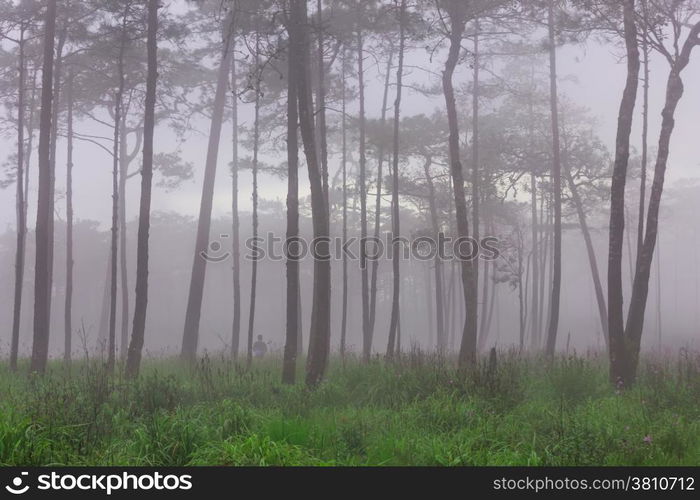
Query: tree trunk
x=21, y=214
x=556, y=181
x=290, y=347
x=42, y=292
x=617, y=200
x=68, y=306
x=475, y=154
x=123, y=268
x=395, y=212
x=366, y=334
x=535, y=321
x=435, y=223
x=592, y=261
x=114, y=255
x=235, y=221
x=321, y=101
x=29, y=149
x=256, y=147
x=190, y=336
x=133, y=360
x=57, y=82
x=378, y=199
x=319, y=334
x=344, y=167
x=467, y=351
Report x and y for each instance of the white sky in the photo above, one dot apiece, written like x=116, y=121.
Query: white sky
x=591, y=76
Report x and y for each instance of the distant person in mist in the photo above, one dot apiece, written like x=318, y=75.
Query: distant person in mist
x=259, y=348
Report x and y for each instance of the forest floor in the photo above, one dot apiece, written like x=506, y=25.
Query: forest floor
x=415, y=411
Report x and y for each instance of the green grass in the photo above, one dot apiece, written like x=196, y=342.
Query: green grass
x=416, y=411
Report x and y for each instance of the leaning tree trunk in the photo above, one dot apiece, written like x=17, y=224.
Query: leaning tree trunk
x=553, y=324
x=319, y=334
x=190, y=336
x=21, y=214
x=395, y=213
x=290, y=347
x=640, y=288
x=68, y=305
x=42, y=292
x=467, y=351
x=133, y=360
x=592, y=261
x=617, y=200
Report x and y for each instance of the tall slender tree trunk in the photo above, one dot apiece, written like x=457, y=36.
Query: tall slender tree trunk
x=319, y=334
x=617, y=200
x=467, y=351
x=133, y=360
x=290, y=347
x=114, y=255
x=535, y=307
x=545, y=223
x=344, y=167
x=556, y=181
x=437, y=261
x=256, y=147
x=68, y=305
x=123, y=267
x=57, y=84
x=395, y=212
x=235, y=218
x=21, y=213
x=42, y=292
x=475, y=152
x=366, y=334
x=190, y=336
x=321, y=101
x=29, y=148
x=378, y=198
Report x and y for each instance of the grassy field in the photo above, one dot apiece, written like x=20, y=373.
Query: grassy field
x=416, y=411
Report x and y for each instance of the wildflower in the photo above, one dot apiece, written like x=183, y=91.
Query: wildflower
x=647, y=439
